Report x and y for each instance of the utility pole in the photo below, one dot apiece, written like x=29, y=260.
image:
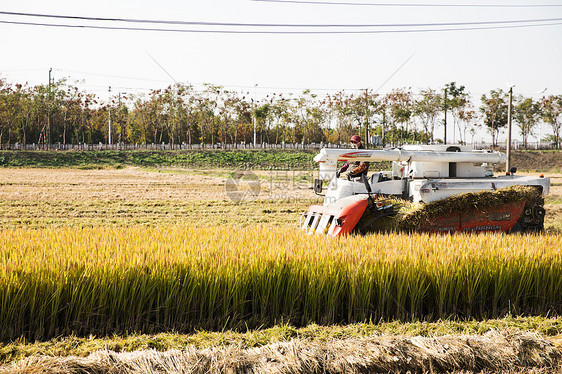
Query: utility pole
x=540, y=124
x=120, y=123
x=445, y=120
x=508, y=145
x=109, y=110
x=366, y=117
x=49, y=104
x=383, y=126
x=255, y=119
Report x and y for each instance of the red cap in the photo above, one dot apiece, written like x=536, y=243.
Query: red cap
x=355, y=139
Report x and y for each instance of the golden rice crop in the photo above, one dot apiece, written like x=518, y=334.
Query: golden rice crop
x=103, y=280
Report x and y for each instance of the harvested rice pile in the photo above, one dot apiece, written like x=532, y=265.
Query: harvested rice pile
x=410, y=216
x=493, y=352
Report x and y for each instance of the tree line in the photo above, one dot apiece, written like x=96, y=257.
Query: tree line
x=60, y=112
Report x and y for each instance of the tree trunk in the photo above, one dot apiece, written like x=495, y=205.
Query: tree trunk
x=23, y=135
x=64, y=129
x=493, y=136
x=556, y=132
x=144, y=133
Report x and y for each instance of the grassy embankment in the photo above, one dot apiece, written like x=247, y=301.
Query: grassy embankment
x=530, y=161
x=215, y=159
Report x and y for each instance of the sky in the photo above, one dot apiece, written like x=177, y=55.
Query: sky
x=135, y=61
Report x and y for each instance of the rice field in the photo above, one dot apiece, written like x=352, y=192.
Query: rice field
x=135, y=251
x=104, y=280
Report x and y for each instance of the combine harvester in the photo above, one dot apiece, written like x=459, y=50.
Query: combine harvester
x=455, y=186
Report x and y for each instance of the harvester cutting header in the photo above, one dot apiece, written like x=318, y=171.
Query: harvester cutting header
x=455, y=186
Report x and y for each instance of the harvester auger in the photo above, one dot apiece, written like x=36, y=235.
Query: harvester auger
x=455, y=186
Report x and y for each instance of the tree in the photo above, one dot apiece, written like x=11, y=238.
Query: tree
x=400, y=106
x=280, y=116
x=10, y=109
x=526, y=114
x=208, y=109
x=75, y=104
x=138, y=121
x=494, y=110
x=243, y=119
x=173, y=111
x=306, y=117
x=227, y=119
x=467, y=122
x=261, y=114
x=551, y=113
x=427, y=109
x=337, y=113
x=457, y=101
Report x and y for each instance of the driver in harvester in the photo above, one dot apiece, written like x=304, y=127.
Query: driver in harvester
x=359, y=168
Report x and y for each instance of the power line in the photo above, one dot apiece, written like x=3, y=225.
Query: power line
x=113, y=76
x=559, y=22
x=274, y=89
x=162, y=67
x=296, y=90
x=20, y=69
x=428, y=5
x=394, y=73
x=233, y=24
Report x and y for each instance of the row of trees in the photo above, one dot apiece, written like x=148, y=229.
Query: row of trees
x=62, y=113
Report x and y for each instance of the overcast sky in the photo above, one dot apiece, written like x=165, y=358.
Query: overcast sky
x=528, y=57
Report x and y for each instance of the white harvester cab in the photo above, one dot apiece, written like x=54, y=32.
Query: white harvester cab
x=421, y=172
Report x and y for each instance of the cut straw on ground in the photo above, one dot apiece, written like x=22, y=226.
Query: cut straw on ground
x=495, y=351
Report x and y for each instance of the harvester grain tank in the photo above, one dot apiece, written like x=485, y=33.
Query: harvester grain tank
x=433, y=175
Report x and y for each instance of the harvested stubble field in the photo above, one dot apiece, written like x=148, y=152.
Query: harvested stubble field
x=145, y=251
x=39, y=198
